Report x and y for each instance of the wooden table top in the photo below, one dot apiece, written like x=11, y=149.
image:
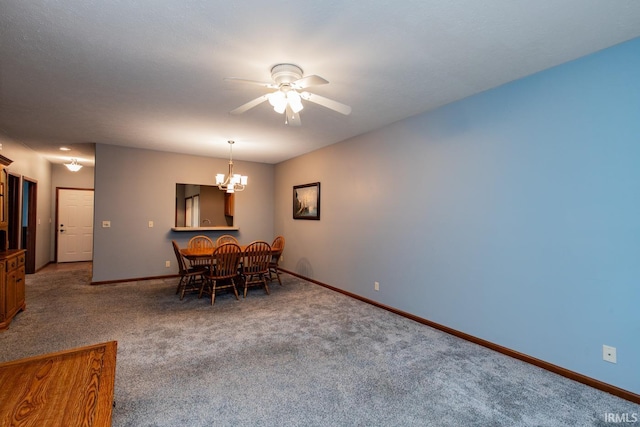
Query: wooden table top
x=67, y=388
x=191, y=253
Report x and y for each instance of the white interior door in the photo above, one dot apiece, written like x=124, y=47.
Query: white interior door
x=75, y=225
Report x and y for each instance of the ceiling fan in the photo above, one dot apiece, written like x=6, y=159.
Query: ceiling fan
x=289, y=92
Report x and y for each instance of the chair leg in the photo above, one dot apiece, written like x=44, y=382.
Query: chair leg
x=213, y=292
x=278, y=276
x=191, y=283
x=185, y=283
x=272, y=271
x=205, y=281
x=233, y=285
x=266, y=286
x=180, y=285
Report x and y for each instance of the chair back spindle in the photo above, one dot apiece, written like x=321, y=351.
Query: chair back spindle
x=226, y=238
x=200, y=244
x=255, y=265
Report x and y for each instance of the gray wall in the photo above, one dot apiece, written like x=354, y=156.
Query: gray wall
x=136, y=186
x=61, y=177
x=29, y=164
x=511, y=215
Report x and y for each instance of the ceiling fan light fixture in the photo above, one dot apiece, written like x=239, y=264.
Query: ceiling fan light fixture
x=279, y=101
x=295, y=101
x=289, y=85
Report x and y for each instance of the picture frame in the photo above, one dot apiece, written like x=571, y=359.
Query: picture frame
x=306, y=201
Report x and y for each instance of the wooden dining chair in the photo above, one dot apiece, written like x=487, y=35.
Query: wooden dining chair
x=200, y=244
x=255, y=265
x=226, y=238
x=276, y=252
x=223, y=270
x=191, y=278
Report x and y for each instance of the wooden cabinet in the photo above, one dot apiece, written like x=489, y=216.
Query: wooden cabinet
x=11, y=260
x=229, y=204
x=12, y=295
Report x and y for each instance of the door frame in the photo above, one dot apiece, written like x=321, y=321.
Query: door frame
x=57, y=232
x=15, y=210
x=32, y=219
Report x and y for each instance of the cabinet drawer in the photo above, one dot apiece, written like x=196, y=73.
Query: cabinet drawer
x=15, y=262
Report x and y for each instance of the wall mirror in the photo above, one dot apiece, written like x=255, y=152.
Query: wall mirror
x=203, y=206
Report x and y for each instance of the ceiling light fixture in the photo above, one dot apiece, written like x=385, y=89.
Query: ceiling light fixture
x=74, y=166
x=290, y=87
x=283, y=97
x=232, y=182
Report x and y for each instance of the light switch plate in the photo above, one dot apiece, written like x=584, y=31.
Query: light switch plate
x=106, y=224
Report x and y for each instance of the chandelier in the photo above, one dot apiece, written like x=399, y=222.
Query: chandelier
x=232, y=182
x=74, y=166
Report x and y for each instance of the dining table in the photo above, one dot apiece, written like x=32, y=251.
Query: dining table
x=204, y=252
x=193, y=254
x=198, y=254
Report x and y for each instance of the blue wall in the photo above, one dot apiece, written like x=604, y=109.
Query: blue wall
x=512, y=215
x=540, y=205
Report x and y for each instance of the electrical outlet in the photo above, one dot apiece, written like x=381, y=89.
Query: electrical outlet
x=609, y=354
x=167, y=264
x=376, y=286
x=150, y=224
x=106, y=224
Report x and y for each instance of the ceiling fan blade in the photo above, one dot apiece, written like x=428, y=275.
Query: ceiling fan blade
x=326, y=102
x=292, y=119
x=309, y=81
x=252, y=82
x=249, y=105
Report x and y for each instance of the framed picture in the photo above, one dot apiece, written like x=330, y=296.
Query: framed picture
x=306, y=201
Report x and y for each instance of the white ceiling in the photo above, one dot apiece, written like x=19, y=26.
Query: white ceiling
x=149, y=73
